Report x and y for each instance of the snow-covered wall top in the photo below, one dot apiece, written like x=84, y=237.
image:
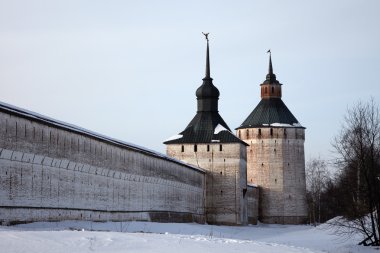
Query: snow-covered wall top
x=50, y=170
x=72, y=128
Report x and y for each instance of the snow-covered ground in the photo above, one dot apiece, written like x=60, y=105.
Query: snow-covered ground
x=81, y=236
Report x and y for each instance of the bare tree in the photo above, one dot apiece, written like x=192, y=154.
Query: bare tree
x=317, y=178
x=358, y=149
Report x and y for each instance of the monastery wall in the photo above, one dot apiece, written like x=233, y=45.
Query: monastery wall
x=53, y=171
x=276, y=163
x=225, y=163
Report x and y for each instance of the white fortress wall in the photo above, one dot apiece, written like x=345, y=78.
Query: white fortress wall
x=50, y=171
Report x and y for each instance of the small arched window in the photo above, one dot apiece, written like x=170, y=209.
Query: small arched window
x=271, y=131
x=265, y=90
x=247, y=133
x=259, y=131
x=272, y=90
x=195, y=148
x=183, y=148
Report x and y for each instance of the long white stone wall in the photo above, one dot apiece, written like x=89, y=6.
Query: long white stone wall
x=51, y=172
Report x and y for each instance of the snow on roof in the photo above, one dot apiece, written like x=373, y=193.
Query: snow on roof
x=297, y=125
x=252, y=185
x=219, y=128
x=63, y=125
x=174, y=137
x=283, y=125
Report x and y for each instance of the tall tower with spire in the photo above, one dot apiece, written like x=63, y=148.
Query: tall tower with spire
x=207, y=142
x=275, y=156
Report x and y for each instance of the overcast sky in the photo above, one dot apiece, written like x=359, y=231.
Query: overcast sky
x=129, y=69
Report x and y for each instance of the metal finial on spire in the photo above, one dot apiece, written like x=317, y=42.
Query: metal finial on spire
x=206, y=35
x=207, y=57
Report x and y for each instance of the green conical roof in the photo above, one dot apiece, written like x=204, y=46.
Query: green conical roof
x=270, y=112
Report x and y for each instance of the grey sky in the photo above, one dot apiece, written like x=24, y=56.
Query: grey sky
x=129, y=70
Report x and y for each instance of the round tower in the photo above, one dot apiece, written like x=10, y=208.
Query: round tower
x=275, y=156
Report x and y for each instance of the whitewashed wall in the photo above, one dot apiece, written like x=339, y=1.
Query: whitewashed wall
x=226, y=167
x=276, y=164
x=51, y=172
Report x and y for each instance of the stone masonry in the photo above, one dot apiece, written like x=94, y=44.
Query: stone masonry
x=225, y=165
x=275, y=162
x=52, y=171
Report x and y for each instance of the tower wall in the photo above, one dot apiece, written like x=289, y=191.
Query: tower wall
x=276, y=163
x=226, y=185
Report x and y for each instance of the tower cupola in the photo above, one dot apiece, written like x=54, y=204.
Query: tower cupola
x=271, y=111
x=270, y=88
x=207, y=94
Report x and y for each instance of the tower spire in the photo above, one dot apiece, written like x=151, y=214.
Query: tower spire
x=270, y=88
x=207, y=57
x=270, y=71
x=270, y=78
x=207, y=94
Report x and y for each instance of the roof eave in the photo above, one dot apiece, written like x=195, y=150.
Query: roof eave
x=261, y=126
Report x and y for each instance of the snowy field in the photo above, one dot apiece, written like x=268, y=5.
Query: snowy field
x=80, y=236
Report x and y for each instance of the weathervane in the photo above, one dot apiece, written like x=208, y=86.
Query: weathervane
x=269, y=52
x=206, y=35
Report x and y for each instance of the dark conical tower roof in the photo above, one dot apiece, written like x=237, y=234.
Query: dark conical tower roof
x=207, y=126
x=271, y=111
